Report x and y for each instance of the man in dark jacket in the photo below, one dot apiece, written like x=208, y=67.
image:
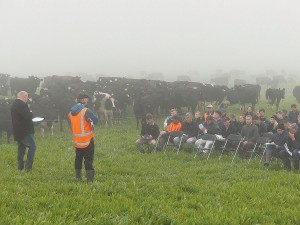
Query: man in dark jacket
x=227, y=129
x=250, y=134
x=293, y=148
x=276, y=144
x=190, y=132
x=149, y=134
x=263, y=118
x=23, y=130
x=209, y=127
x=197, y=118
x=262, y=126
x=241, y=123
x=293, y=115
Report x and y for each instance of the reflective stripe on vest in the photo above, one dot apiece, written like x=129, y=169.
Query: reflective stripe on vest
x=82, y=127
x=82, y=144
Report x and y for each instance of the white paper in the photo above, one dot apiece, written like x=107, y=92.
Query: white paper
x=37, y=119
x=219, y=137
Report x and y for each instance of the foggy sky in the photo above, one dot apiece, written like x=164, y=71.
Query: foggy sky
x=117, y=38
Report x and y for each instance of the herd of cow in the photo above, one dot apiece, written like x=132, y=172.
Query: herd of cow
x=110, y=97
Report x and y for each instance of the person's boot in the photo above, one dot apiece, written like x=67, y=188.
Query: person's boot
x=28, y=165
x=296, y=164
x=90, y=176
x=287, y=164
x=78, y=175
x=267, y=157
x=20, y=165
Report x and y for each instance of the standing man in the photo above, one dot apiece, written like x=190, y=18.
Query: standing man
x=23, y=130
x=82, y=120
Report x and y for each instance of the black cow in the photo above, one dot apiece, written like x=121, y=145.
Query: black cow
x=5, y=117
x=239, y=82
x=29, y=84
x=280, y=78
x=274, y=96
x=247, y=94
x=141, y=107
x=220, y=80
x=296, y=93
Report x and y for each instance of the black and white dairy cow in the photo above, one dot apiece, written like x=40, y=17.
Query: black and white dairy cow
x=104, y=103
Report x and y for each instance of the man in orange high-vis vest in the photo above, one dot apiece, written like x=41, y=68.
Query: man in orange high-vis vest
x=82, y=120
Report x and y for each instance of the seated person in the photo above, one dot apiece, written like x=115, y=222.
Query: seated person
x=241, y=123
x=149, y=133
x=209, y=127
x=250, y=134
x=218, y=118
x=232, y=118
x=279, y=115
x=272, y=127
x=249, y=111
x=286, y=124
x=197, y=118
x=293, y=146
x=263, y=117
x=223, y=111
x=293, y=115
x=168, y=119
x=278, y=141
x=284, y=115
x=298, y=123
x=262, y=126
x=210, y=112
x=164, y=135
x=227, y=129
x=190, y=131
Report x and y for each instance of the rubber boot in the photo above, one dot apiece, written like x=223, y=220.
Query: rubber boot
x=28, y=165
x=78, y=175
x=268, y=157
x=287, y=164
x=90, y=176
x=296, y=164
x=20, y=165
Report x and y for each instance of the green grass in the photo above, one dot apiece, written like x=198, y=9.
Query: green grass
x=132, y=188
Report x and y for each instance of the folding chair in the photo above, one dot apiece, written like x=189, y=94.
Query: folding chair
x=259, y=147
x=231, y=137
x=268, y=135
x=207, y=137
x=157, y=142
x=173, y=134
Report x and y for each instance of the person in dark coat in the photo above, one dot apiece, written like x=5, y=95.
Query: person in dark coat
x=232, y=118
x=284, y=115
x=272, y=127
x=241, y=123
x=149, y=134
x=293, y=115
x=197, y=118
x=276, y=144
x=23, y=130
x=263, y=118
x=262, y=126
x=227, y=129
x=249, y=111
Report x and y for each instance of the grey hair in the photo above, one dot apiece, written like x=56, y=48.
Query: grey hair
x=249, y=117
x=82, y=101
x=189, y=114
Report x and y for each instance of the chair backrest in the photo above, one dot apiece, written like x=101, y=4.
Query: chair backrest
x=234, y=137
x=268, y=135
x=176, y=133
x=262, y=140
x=209, y=137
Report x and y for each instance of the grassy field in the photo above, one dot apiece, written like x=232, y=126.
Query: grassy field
x=132, y=188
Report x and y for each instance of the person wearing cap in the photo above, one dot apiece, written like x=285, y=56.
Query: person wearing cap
x=218, y=118
x=227, y=129
x=293, y=115
x=209, y=127
x=164, y=135
x=272, y=127
x=82, y=120
x=149, y=134
x=263, y=118
x=249, y=134
x=210, y=112
x=293, y=148
x=23, y=130
x=190, y=131
x=277, y=144
x=262, y=127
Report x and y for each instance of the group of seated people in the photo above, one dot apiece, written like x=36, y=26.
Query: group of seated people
x=284, y=144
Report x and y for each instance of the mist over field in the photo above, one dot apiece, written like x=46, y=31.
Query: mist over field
x=123, y=38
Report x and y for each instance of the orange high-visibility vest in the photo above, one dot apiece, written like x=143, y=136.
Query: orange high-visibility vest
x=174, y=127
x=82, y=130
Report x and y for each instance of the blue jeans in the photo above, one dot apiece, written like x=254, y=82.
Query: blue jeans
x=27, y=141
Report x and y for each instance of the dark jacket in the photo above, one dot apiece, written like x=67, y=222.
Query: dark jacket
x=250, y=132
x=190, y=129
x=280, y=139
x=294, y=144
x=212, y=128
x=293, y=117
x=226, y=132
x=21, y=120
x=240, y=126
x=199, y=121
x=220, y=123
x=265, y=120
x=262, y=128
x=152, y=130
x=270, y=128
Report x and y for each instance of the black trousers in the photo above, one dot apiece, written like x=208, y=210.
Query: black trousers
x=88, y=155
